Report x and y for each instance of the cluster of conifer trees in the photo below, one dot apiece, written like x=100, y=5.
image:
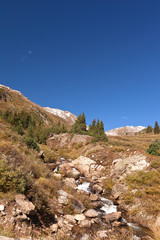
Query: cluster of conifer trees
x=156, y=128
x=96, y=129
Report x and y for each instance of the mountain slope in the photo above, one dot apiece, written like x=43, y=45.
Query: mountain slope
x=13, y=100
x=128, y=130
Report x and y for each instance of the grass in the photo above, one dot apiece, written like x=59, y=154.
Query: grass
x=147, y=185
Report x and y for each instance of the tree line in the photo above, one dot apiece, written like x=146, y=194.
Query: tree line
x=155, y=130
x=96, y=129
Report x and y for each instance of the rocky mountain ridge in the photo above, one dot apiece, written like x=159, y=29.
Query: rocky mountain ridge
x=128, y=130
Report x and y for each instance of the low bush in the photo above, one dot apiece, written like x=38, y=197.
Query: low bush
x=154, y=148
x=31, y=142
x=11, y=179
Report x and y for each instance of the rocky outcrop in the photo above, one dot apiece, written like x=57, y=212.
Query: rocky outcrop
x=87, y=167
x=24, y=205
x=65, y=139
x=122, y=167
x=17, y=215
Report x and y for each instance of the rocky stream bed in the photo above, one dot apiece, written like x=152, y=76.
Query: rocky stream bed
x=103, y=218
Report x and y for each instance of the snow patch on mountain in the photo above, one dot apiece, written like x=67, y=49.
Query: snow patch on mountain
x=71, y=118
x=128, y=130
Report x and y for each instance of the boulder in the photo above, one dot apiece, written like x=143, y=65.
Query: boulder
x=79, y=217
x=73, y=173
x=98, y=189
x=57, y=176
x=62, y=193
x=70, y=182
x=77, y=204
x=118, y=189
x=54, y=228
x=94, y=197
x=84, y=165
x=102, y=234
x=112, y=217
x=97, y=204
x=91, y=213
x=70, y=218
x=63, y=200
x=122, y=167
x=84, y=223
x=25, y=206
x=64, y=139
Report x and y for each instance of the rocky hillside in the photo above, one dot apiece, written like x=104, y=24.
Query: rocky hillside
x=128, y=130
x=13, y=100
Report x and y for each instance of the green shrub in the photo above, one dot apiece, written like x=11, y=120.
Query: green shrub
x=31, y=142
x=11, y=179
x=154, y=148
x=155, y=164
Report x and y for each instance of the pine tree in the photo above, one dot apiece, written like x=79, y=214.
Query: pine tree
x=79, y=125
x=92, y=127
x=156, y=128
x=149, y=129
x=97, y=130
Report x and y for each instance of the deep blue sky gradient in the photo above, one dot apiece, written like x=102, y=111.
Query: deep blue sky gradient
x=97, y=57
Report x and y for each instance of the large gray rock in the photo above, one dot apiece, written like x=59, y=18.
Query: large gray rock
x=73, y=173
x=63, y=200
x=25, y=206
x=91, y=213
x=85, y=223
x=70, y=218
x=70, y=182
x=78, y=206
x=79, y=217
x=112, y=217
x=54, y=228
x=94, y=197
x=98, y=189
x=84, y=165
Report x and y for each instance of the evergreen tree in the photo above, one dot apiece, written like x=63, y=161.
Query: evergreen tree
x=97, y=131
x=149, y=129
x=156, y=128
x=79, y=125
x=92, y=127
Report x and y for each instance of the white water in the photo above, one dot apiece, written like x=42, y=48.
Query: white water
x=84, y=186
x=108, y=206
x=56, y=169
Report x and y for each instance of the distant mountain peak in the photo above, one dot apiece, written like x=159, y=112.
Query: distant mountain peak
x=68, y=116
x=128, y=130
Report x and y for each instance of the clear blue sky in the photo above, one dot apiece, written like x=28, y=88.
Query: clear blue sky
x=97, y=57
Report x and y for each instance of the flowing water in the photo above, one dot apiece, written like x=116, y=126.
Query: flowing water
x=109, y=207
